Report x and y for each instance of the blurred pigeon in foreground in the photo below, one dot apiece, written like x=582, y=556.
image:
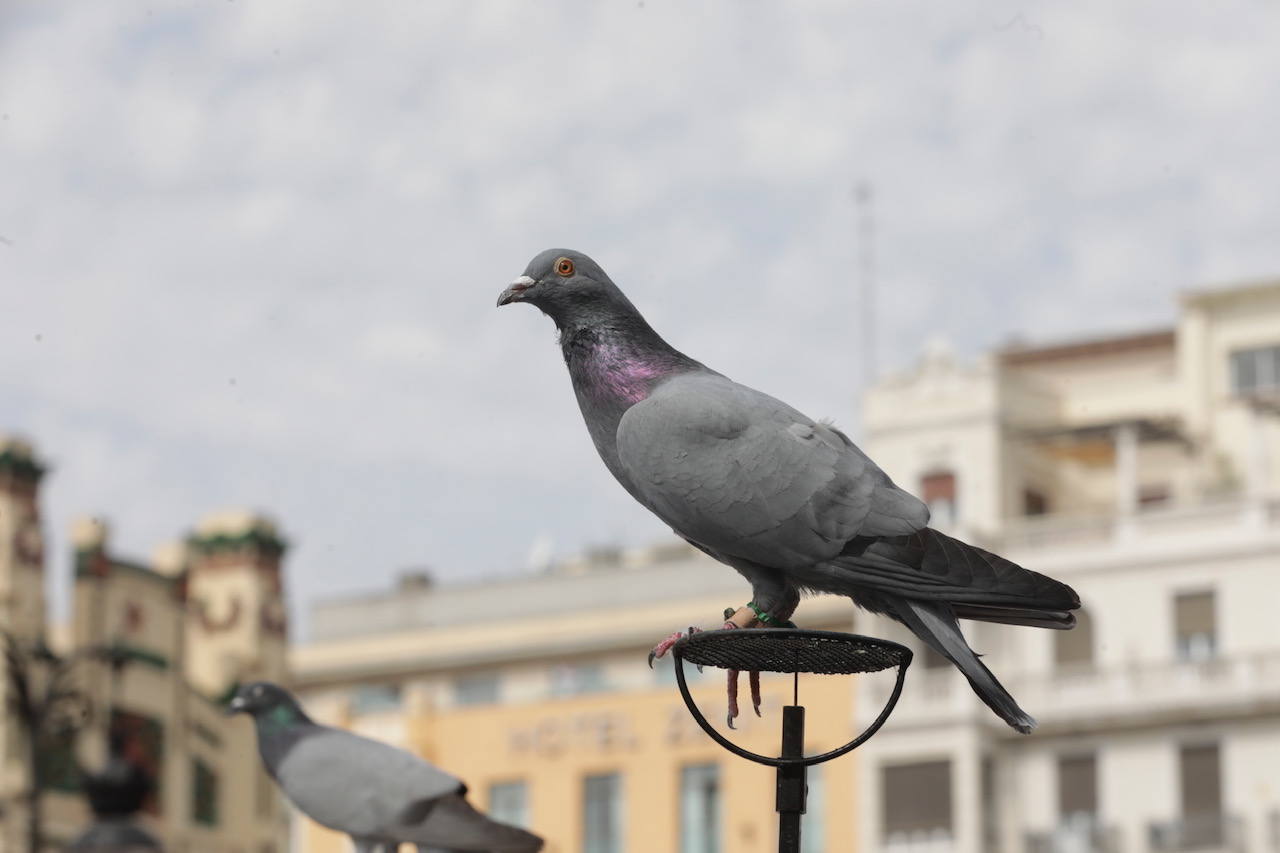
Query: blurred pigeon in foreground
x=789, y=502
x=379, y=795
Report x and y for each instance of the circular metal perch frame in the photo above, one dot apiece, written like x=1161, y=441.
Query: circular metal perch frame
x=790, y=650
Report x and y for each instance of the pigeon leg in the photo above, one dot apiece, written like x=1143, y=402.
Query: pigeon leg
x=748, y=617
x=743, y=617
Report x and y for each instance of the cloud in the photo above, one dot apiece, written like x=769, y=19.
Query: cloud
x=253, y=248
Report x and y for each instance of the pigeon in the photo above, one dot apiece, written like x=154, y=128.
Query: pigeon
x=789, y=502
x=379, y=795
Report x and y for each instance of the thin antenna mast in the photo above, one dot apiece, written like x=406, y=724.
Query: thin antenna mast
x=864, y=198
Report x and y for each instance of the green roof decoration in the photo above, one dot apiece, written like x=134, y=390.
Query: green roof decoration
x=19, y=464
x=257, y=538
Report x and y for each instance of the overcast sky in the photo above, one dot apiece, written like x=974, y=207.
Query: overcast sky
x=249, y=251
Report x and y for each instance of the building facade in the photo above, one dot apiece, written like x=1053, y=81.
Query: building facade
x=1144, y=470
x=205, y=614
x=536, y=692
x=22, y=610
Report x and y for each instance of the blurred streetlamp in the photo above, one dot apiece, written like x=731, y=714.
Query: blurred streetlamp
x=116, y=794
x=50, y=709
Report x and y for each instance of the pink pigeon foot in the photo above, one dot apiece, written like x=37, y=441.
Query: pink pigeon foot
x=747, y=618
x=662, y=648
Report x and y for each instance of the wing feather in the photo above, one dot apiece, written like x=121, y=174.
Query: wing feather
x=746, y=475
x=358, y=785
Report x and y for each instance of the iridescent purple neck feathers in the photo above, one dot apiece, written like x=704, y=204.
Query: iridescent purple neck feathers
x=617, y=370
x=613, y=371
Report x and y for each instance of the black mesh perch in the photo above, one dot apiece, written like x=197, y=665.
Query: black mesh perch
x=789, y=650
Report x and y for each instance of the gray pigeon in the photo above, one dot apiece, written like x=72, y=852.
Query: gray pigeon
x=379, y=795
x=789, y=502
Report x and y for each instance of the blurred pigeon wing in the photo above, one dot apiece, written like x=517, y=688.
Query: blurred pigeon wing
x=746, y=475
x=357, y=785
x=452, y=824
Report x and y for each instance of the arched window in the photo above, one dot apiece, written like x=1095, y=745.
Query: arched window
x=938, y=491
x=1074, y=648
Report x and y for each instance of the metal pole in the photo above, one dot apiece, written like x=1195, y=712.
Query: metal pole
x=791, y=780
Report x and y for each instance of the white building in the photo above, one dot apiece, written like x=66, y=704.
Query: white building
x=1144, y=470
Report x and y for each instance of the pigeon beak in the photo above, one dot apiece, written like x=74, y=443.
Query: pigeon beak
x=513, y=291
x=236, y=705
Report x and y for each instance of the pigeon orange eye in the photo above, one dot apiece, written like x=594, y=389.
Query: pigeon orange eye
x=564, y=267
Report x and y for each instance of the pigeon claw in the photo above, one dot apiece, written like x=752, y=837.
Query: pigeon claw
x=732, y=688
x=662, y=648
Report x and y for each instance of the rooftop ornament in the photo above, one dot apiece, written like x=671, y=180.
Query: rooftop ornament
x=790, y=650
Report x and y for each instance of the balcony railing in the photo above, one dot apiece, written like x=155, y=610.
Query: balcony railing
x=1154, y=523
x=1088, y=696
x=1169, y=689
x=1084, y=836
x=1206, y=833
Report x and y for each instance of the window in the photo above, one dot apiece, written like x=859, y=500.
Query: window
x=990, y=805
x=204, y=794
x=813, y=831
x=602, y=814
x=1034, y=502
x=938, y=490
x=1154, y=494
x=59, y=766
x=700, y=809
x=477, y=689
x=266, y=806
x=932, y=658
x=1200, y=769
x=576, y=679
x=917, y=803
x=1074, y=648
x=142, y=739
x=1195, y=626
x=509, y=803
x=1077, y=788
x=1254, y=370
x=664, y=672
x=372, y=698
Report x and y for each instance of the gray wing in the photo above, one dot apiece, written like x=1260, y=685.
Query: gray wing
x=746, y=475
x=356, y=785
x=452, y=825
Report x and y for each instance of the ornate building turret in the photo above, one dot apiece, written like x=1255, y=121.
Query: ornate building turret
x=236, y=627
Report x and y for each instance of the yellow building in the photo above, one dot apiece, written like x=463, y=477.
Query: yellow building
x=537, y=693
x=203, y=615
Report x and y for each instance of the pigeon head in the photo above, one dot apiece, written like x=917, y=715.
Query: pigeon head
x=570, y=288
x=262, y=700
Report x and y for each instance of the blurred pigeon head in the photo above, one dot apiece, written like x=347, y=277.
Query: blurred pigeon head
x=261, y=697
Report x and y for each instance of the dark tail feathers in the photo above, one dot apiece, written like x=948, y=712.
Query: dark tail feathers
x=935, y=623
